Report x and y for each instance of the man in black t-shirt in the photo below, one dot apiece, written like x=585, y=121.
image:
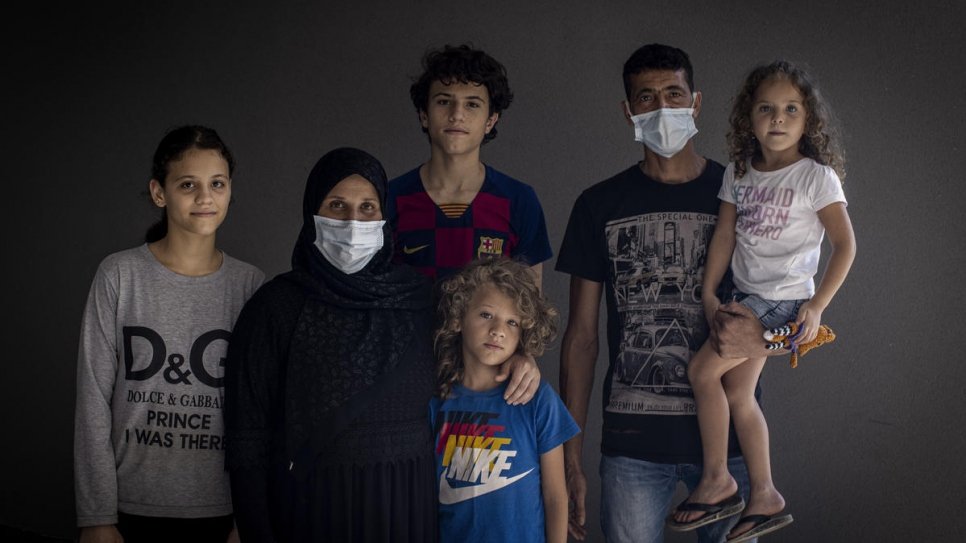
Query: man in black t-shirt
x=641, y=237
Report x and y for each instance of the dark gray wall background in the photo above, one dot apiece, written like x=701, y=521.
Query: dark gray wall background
x=866, y=439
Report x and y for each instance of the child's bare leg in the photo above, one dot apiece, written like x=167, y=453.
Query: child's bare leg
x=739, y=385
x=705, y=372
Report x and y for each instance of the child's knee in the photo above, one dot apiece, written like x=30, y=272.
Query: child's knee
x=700, y=371
x=739, y=398
x=694, y=372
x=706, y=367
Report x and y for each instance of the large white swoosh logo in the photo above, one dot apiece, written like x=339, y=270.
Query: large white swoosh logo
x=449, y=495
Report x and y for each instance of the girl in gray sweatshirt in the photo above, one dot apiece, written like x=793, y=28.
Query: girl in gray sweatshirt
x=148, y=433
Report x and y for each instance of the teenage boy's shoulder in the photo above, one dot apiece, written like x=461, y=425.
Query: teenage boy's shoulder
x=505, y=185
x=406, y=183
x=504, y=195
x=409, y=187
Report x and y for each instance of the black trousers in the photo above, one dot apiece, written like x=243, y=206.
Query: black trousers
x=139, y=529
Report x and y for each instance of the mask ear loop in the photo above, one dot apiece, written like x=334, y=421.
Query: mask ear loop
x=627, y=111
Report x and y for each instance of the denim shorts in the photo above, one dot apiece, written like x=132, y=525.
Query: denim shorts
x=771, y=313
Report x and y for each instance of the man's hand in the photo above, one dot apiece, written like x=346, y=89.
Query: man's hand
x=524, y=379
x=736, y=333
x=711, y=304
x=577, y=495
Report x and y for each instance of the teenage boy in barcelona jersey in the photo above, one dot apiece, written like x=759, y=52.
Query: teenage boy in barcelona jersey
x=454, y=208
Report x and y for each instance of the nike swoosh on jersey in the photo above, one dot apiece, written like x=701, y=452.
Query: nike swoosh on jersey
x=449, y=495
x=411, y=250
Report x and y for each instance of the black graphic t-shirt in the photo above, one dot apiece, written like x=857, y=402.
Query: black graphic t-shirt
x=647, y=241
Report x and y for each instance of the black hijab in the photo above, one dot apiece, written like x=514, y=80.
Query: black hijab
x=352, y=328
x=380, y=283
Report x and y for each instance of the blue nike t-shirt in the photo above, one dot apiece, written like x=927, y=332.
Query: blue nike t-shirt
x=488, y=462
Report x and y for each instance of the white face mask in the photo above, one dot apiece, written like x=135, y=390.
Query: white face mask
x=348, y=245
x=665, y=131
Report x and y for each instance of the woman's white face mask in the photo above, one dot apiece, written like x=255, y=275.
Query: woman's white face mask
x=348, y=245
x=665, y=131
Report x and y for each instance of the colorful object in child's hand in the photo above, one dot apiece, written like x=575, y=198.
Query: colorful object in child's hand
x=785, y=337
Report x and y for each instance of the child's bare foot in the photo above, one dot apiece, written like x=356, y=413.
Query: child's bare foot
x=709, y=491
x=761, y=502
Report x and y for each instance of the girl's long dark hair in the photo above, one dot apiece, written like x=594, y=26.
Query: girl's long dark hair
x=172, y=148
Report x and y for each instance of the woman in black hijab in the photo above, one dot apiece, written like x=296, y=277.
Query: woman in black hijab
x=329, y=374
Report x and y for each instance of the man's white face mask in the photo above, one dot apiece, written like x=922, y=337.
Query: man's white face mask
x=667, y=130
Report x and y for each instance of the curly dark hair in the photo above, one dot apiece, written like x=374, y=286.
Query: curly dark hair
x=538, y=317
x=820, y=140
x=463, y=64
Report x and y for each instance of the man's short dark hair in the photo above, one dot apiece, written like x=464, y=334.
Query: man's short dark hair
x=463, y=64
x=656, y=56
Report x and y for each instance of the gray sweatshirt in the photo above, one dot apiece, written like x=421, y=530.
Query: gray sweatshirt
x=148, y=432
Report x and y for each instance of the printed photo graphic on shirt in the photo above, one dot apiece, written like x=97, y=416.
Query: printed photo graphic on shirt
x=658, y=261
x=763, y=212
x=476, y=457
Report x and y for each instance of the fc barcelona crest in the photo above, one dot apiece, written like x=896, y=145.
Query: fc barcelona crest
x=489, y=246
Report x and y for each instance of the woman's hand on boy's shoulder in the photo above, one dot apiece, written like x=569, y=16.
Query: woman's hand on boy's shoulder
x=524, y=378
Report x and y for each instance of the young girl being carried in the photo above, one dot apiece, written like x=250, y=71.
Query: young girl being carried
x=500, y=467
x=149, y=457
x=781, y=193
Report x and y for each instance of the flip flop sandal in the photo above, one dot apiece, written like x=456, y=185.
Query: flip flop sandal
x=760, y=525
x=713, y=512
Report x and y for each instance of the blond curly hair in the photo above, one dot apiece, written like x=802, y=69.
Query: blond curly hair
x=820, y=140
x=538, y=318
